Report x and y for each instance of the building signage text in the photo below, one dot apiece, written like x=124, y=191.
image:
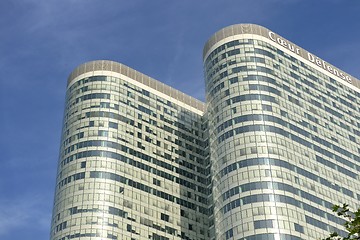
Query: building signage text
x=313, y=59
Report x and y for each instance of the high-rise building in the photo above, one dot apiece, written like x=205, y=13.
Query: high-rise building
x=274, y=147
x=284, y=135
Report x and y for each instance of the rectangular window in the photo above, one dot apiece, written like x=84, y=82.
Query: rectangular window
x=164, y=217
x=299, y=228
x=263, y=224
x=113, y=125
x=83, y=164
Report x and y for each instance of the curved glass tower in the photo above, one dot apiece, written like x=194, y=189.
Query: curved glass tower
x=273, y=148
x=283, y=135
x=131, y=161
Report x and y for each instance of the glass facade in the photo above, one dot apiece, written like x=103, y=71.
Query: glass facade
x=275, y=146
x=284, y=137
x=131, y=165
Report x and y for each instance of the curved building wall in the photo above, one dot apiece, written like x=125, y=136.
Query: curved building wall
x=275, y=146
x=283, y=137
x=131, y=161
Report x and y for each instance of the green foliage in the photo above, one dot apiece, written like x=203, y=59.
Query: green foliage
x=352, y=223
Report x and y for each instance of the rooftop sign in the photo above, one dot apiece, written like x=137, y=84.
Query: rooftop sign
x=253, y=29
x=308, y=56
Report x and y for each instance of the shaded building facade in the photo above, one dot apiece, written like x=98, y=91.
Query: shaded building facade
x=273, y=148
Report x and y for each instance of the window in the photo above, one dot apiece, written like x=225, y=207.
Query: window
x=113, y=125
x=83, y=164
x=263, y=224
x=164, y=217
x=299, y=228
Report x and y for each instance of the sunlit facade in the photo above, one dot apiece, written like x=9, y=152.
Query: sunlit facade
x=274, y=146
x=132, y=162
x=284, y=131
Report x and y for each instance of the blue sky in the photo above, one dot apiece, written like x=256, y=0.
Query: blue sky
x=42, y=41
